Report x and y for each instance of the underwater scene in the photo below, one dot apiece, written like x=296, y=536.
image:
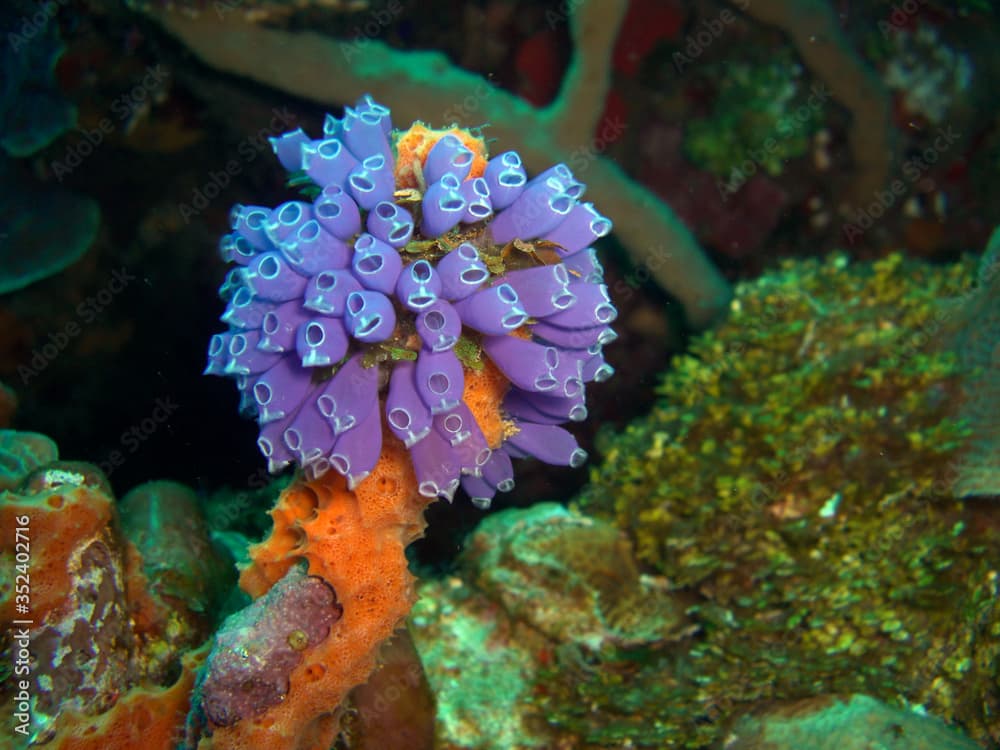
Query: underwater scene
x=499, y=374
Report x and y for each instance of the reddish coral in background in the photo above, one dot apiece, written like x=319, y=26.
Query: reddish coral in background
x=646, y=23
x=736, y=222
x=539, y=65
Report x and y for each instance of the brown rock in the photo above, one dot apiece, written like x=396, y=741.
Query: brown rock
x=396, y=707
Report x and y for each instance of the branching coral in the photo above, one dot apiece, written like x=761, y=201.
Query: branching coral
x=332, y=71
x=798, y=476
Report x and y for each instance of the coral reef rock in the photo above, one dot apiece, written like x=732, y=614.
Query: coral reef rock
x=572, y=577
x=856, y=723
x=111, y=665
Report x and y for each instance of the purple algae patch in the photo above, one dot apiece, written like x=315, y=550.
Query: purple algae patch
x=257, y=648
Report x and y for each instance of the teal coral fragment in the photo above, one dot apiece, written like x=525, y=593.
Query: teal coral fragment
x=33, y=112
x=44, y=230
x=21, y=453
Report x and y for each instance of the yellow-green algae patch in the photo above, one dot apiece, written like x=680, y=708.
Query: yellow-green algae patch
x=796, y=476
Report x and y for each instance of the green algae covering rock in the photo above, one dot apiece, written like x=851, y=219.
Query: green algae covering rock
x=856, y=723
x=482, y=668
x=572, y=578
x=549, y=616
x=797, y=477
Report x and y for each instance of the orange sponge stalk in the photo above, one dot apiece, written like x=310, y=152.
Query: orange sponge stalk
x=355, y=541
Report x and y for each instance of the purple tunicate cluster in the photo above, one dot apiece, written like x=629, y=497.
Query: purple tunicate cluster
x=370, y=294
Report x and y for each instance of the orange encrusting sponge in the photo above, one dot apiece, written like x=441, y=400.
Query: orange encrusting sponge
x=355, y=541
x=61, y=523
x=151, y=718
x=415, y=142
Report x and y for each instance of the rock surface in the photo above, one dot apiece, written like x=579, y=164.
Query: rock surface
x=856, y=723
